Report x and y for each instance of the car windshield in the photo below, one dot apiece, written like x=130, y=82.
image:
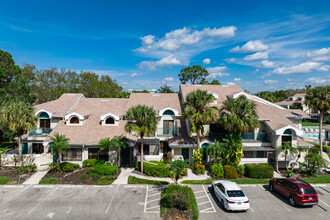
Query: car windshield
x=308, y=191
x=235, y=193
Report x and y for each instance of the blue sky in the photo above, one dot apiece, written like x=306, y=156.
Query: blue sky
x=259, y=45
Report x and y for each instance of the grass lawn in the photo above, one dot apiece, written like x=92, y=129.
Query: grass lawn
x=134, y=180
x=305, y=123
x=239, y=181
x=318, y=179
x=48, y=181
x=4, y=180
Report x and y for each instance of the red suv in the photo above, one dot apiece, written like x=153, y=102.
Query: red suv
x=297, y=191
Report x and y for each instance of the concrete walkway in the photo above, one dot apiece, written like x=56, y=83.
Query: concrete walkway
x=123, y=176
x=35, y=178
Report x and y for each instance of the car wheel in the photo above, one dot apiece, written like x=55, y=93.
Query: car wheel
x=271, y=187
x=292, y=201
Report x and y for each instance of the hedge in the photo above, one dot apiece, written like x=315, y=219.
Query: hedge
x=92, y=162
x=259, y=171
x=67, y=167
x=217, y=171
x=103, y=170
x=4, y=180
x=230, y=172
x=161, y=170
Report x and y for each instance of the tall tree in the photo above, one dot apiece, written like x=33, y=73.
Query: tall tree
x=238, y=115
x=165, y=89
x=141, y=121
x=288, y=150
x=216, y=151
x=18, y=117
x=318, y=99
x=234, y=150
x=193, y=75
x=197, y=110
x=59, y=144
x=297, y=105
x=116, y=143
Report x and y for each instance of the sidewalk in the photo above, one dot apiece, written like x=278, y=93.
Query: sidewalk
x=35, y=178
x=123, y=176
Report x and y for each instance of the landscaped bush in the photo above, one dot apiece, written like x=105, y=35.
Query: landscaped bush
x=240, y=170
x=26, y=169
x=230, y=172
x=325, y=148
x=103, y=170
x=180, y=198
x=48, y=181
x=199, y=169
x=4, y=180
x=217, y=171
x=67, y=167
x=149, y=169
x=259, y=171
x=184, y=172
x=92, y=162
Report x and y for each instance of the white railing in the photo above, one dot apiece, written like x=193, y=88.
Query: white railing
x=254, y=160
x=149, y=157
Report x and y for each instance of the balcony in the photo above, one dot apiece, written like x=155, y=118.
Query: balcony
x=246, y=136
x=167, y=132
x=40, y=132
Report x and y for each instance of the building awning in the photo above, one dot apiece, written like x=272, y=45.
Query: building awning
x=258, y=149
x=153, y=141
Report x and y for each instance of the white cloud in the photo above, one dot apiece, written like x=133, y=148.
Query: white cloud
x=318, y=80
x=251, y=46
x=169, y=79
x=237, y=79
x=268, y=64
x=135, y=74
x=147, y=40
x=206, y=61
x=305, y=67
x=271, y=82
x=166, y=61
x=231, y=60
x=231, y=83
x=257, y=56
x=217, y=71
x=319, y=55
x=265, y=75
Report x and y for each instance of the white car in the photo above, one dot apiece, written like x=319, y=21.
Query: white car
x=230, y=195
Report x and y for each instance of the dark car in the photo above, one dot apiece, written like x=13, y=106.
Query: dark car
x=297, y=191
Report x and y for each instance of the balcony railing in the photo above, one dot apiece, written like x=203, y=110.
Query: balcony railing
x=40, y=132
x=166, y=132
x=246, y=136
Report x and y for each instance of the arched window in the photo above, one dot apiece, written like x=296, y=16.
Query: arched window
x=110, y=121
x=168, y=112
x=44, y=115
x=287, y=136
x=44, y=121
x=74, y=120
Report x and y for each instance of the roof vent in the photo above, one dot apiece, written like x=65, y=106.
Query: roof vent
x=225, y=86
x=71, y=94
x=104, y=100
x=155, y=94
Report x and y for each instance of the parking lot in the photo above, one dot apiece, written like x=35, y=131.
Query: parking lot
x=142, y=202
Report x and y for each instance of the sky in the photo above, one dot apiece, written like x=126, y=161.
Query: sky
x=258, y=45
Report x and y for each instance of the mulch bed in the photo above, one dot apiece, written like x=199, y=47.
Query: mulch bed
x=15, y=178
x=76, y=177
x=175, y=214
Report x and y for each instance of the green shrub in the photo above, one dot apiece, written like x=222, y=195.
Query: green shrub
x=230, y=172
x=92, y=162
x=184, y=172
x=316, y=148
x=104, y=170
x=4, y=180
x=27, y=169
x=259, y=171
x=48, y=181
x=161, y=170
x=217, y=171
x=67, y=167
x=95, y=176
x=83, y=176
x=199, y=169
x=240, y=170
x=288, y=173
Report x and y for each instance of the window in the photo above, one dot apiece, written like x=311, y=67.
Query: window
x=168, y=112
x=146, y=149
x=74, y=120
x=168, y=126
x=37, y=148
x=44, y=123
x=95, y=153
x=110, y=121
x=292, y=186
x=72, y=154
x=261, y=154
x=248, y=154
x=220, y=186
x=308, y=191
x=235, y=193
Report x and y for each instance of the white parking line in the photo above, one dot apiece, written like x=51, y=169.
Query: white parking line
x=209, y=200
x=102, y=186
x=12, y=186
x=324, y=203
x=155, y=194
x=157, y=206
x=16, y=194
x=145, y=201
x=203, y=203
x=251, y=208
x=200, y=197
x=112, y=199
x=263, y=189
x=199, y=191
x=134, y=186
x=75, y=202
x=40, y=201
x=147, y=209
x=153, y=200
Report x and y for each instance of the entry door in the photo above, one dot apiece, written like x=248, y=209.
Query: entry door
x=44, y=123
x=185, y=153
x=126, y=157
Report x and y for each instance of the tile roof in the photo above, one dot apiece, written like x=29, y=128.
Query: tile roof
x=62, y=105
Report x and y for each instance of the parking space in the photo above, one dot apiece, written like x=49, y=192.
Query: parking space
x=203, y=199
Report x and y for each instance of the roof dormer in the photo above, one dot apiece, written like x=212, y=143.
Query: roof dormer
x=74, y=119
x=168, y=111
x=109, y=119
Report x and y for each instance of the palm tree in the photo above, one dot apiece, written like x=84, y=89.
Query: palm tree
x=197, y=109
x=117, y=143
x=300, y=150
x=238, y=115
x=18, y=117
x=142, y=121
x=318, y=99
x=288, y=150
x=58, y=144
x=234, y=150
x=216, y=151
x=315, y=160
x=178, y=166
